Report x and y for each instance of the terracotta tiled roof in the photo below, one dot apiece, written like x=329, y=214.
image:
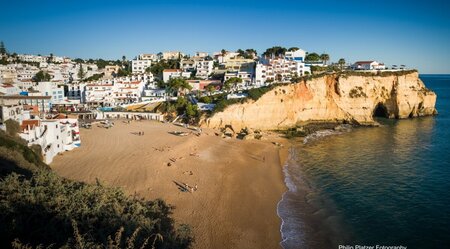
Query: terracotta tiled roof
x=171, y=70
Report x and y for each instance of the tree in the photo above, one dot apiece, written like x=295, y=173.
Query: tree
x=250, y=53
x=223, y=52
x=122, y=72
x=41, y=76
x=81, y=72
x=210, y=89
x=293, y=49
x=50, y=58
x=2, y=48
x=240, y=52
x=78, y=60
x=295, y=78
x=231, y=82
x=312, y=57
x=275, y=51
x=325, y=58
x=341, y=63
x=175, y=85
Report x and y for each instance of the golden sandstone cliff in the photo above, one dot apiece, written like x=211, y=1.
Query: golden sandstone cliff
x=331, y=98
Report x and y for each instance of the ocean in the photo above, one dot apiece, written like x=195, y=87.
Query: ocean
x=387, y=185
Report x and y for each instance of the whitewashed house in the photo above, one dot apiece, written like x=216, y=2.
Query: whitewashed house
x=174, y=73
x=138, y=66
x=9, y=89
x=54, y=135
x=76, y=91
x=368, y=65
x=204, y=68
x=47, y=88
x=298, y=55
x=279, y=70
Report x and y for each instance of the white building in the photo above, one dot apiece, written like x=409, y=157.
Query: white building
x=99, y=94
x=54, y=136
x=117, y=91
x=298, y=55
x=174, y=73
x=223, y=58
x=109, y=70
x=154, y=94
x=201, y=54
x=51, y=89
x=187, y=65
x=32, y=58
x=171, y=55
x=10, y=108
x=76, y=91
x=368, y=65
x=9, y=89
x=138, y=66
x=151, y=57
x=127, y=92
x=246, y=77
x=279, y=70
x=204, y=68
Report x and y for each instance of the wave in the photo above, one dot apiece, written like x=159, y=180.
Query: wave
x=325, y=133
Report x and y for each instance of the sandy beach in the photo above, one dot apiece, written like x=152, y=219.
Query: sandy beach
x=239, y=183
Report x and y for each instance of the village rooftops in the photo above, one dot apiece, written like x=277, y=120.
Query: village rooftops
x=24, y=97
x=29, y=123
x=172, y=70
x=100, y=85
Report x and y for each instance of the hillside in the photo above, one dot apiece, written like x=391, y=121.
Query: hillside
x=350, y=97
x=39, y=208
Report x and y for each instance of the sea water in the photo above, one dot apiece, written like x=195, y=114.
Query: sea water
x=387, y=185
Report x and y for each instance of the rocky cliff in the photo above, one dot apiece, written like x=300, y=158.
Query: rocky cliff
x=331, y=98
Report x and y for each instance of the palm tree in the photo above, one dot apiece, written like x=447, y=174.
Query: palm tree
x=325, y=58
x=341, y=62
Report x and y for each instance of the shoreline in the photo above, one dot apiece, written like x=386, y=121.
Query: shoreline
x=240, y=183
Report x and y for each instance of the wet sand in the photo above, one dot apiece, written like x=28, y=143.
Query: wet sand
x=239, y=182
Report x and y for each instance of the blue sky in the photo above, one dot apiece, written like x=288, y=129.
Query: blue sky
x=415, y=33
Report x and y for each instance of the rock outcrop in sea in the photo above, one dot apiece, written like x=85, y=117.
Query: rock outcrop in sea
x=352, y=98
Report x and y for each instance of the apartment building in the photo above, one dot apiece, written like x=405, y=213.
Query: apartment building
x=174, y=73
x=204, y=68
x=51, y=89
x=99, y=94
x=138, y=66
x=279, y=70
x=171, y=55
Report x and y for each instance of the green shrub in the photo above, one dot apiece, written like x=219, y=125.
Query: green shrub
x=43, y=209
x=205, y=99
x=17, y=146
x=12, y=127
x=357, y=92
x=256, y=93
